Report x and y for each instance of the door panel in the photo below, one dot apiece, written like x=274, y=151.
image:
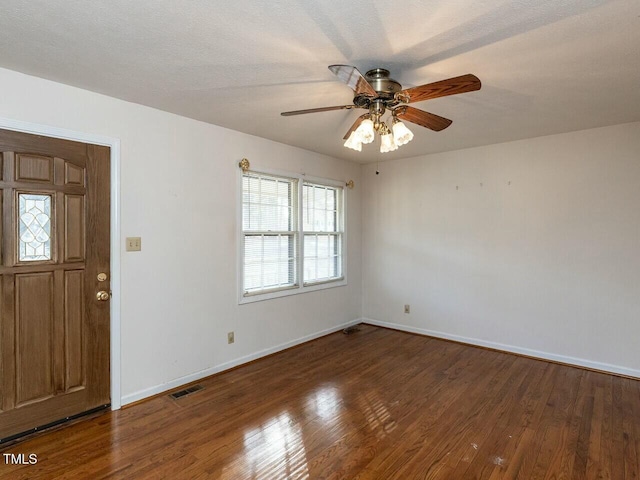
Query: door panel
x=73, y=175
x=32, y=168
x=74, y=228
x=34, y=337
x=54, y=333
x=73, y=327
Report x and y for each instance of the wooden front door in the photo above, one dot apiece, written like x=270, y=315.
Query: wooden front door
x=54, y=331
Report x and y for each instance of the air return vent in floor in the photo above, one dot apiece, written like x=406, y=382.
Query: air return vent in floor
x=186, y=391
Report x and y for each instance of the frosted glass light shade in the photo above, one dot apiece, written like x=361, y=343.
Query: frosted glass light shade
x=387, y=144
x=365, y=131
x=401, y=134
x=354, y=142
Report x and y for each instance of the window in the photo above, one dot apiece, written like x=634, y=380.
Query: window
x=286, y=249
x=269, y=226
x=322, y=235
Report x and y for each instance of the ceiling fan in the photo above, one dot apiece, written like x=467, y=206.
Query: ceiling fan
x=377, y=93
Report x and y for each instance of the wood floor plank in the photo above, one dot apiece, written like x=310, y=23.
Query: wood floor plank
x=631, y=428
x=376, y=404
x=617, y=429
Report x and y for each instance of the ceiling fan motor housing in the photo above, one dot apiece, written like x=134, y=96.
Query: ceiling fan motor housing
x=384, y=86
x=382, y=83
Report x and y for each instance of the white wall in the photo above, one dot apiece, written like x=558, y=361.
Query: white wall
x=178, y=192
x=537, y=250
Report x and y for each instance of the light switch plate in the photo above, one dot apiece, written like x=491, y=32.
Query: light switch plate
x=134, y=244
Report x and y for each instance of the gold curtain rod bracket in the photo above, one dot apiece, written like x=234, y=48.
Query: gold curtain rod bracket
x=244, y=165
x=350, y=184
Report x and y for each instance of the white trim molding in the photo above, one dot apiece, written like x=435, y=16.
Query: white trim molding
x=572, y=361
x=177, y=382
x=114, y=145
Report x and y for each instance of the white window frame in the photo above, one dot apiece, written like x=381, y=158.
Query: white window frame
x=244, y=298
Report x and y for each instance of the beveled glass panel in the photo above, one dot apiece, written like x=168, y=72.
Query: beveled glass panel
x=34, y=227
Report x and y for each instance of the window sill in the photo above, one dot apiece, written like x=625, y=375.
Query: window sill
x=285, y=292
x=323, y=282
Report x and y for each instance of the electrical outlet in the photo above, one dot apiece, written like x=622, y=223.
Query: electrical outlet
x=407, y=309
x=230, y=338
x=134, y=244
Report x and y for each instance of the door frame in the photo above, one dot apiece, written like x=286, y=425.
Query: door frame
x=114, y=241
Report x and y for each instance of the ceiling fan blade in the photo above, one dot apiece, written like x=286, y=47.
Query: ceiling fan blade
x=315, y=110
x=352, y=77
x=451, y=86
x=355, y=125
x=422, y=118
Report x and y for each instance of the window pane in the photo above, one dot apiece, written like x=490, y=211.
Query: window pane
x=267, y=203
x=318, y=222
x=331, y=222
x=320, y=212
x=322, y=257
x=310, y=272
x=323, y=268
x=34, y=230
x=331, y=199
x=252, y=276
x=323, y=246
x=320, y=197
x=306, y=205
x=284, y=193
x=269, y=261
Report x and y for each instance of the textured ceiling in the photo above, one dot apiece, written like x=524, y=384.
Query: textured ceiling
x=547, y=66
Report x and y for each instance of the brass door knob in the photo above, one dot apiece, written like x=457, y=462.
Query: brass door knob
x=103, y=296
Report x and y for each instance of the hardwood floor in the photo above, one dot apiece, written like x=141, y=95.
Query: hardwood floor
x=377, y=404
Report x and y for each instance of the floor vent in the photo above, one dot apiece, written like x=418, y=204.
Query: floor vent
x=186, y=391
x=351, y=329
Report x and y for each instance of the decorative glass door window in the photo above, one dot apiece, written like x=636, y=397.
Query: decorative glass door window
x=34, y=229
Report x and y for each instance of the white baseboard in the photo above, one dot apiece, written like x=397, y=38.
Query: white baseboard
x=177, y=382
x=580, y=362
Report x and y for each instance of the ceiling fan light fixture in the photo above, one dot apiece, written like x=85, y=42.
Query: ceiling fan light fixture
x=386, y=143
x=365, y=132
x=354, y=142
x=401, y=134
